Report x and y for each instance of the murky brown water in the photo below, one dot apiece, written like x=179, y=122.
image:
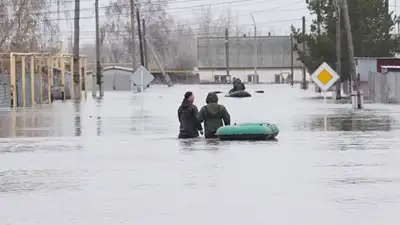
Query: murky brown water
x=118, y=161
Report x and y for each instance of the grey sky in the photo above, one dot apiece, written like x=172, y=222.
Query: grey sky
x=270, y=15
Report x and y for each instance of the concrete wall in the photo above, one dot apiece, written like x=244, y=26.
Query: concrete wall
x=273, y=52
x=384, y=88
x=265, y=75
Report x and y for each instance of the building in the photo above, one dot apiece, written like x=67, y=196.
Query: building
x=118, y=78
x=274, y=58
x=115, y=78
x=384, y=86
x=373, y=65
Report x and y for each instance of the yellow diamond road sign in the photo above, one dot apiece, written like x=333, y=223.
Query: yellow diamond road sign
x=324, y=76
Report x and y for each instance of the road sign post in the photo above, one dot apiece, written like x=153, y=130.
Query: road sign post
x=324, y=77
x=141, y=81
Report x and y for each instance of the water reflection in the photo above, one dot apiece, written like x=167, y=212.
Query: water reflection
x=199, y=144
x=29, y=122
x=346, y=122
x=78, y=126
x=99, y=122
x=33, y=180
x=187, y=144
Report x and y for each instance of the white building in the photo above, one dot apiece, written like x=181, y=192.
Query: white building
x=274, y=58
x=115, y=78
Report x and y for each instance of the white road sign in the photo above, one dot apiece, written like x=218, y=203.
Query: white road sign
x=142, y=77
x=324, y=76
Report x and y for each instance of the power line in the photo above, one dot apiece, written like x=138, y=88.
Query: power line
x=154, y=11
x=72, y=1
x=199, y=29
x=256, y=12
x=190, y=32
x=141, y=4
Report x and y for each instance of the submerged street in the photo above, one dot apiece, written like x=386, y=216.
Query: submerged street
x=118, y=161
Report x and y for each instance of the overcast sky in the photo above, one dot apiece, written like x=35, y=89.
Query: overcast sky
x=273, y=16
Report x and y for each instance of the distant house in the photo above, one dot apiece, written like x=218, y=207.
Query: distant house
x=274, y=59
x=374, y=66
x=115, y=78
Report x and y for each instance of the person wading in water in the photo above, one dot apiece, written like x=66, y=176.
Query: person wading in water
x=187, y=116
x=213, y=114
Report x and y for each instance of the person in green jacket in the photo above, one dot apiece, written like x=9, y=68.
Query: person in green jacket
x=213, y=115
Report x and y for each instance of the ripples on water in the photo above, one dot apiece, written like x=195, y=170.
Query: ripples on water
x=118, y=161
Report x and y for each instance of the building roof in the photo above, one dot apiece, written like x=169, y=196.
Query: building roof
x=390, y=68
x=120, y=68
x=272, y=51
x=372, y=58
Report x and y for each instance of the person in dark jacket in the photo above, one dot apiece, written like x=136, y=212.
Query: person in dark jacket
x=187, y=115
x=239, y=86
x=234, y=80
x=213, y=115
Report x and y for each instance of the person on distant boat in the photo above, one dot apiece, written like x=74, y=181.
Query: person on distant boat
x=213, y=115
x=239, y=86
x=187, y=116
x=234, y=80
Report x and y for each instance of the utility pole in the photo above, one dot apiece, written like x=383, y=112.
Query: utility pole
x=133, y=34
x=291, y=60
x=76, y=44
x=304, y=83
x=140, y=36
x=227, y=51
x=351, y=54
x=146, y=62
x=255, y=50
x=98, y=65
x=338, y=48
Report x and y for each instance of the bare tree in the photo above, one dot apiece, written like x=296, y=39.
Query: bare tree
x=116, y=36
x=159, y=25
x=24, y=25
x=172, y=41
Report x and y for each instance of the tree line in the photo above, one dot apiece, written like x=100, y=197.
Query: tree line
x=173, y=40
x=372, y=26
x=31, y=26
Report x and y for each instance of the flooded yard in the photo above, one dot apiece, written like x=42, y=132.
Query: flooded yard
x=118, y=161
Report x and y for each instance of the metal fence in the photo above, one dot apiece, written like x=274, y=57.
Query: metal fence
x=384, y=88
x=40, y=94
x=57, y=85
x=272, y=51
x=5, y=94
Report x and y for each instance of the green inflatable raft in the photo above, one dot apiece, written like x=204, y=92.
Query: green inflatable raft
x=248, y=131
x=238, y=94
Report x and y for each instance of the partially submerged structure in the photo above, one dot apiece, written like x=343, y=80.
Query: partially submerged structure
x=115, y=78
x=27, y=79
x=384, y=87
x=64, y=85
x=369, y=67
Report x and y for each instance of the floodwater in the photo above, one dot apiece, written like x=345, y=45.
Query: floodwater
x=118, y=161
